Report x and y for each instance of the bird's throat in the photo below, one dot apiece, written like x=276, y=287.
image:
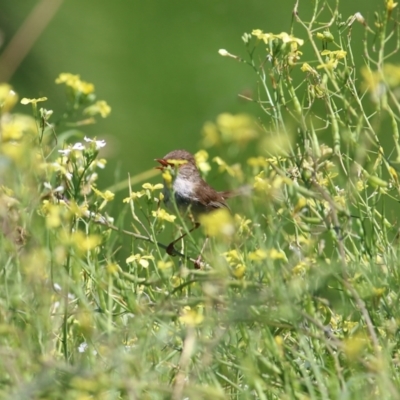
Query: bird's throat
x=185, y=188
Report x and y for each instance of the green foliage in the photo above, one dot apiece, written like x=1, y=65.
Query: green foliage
x=297, y=297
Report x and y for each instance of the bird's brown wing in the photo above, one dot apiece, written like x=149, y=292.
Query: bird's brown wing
x=211, y=199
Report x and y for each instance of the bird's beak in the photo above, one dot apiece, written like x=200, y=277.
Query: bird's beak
x=163, y=163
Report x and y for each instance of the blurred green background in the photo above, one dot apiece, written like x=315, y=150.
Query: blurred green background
x=155, y=62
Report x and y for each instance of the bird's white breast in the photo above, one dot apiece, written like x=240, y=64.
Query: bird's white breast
x=184, y=188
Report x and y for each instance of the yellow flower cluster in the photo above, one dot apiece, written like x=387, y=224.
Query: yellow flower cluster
x=283, y=36
x=219, y=223
x=147, y=191
x=162, y=215
x=376, y=82
x=229, y=128
x=281, y=43
x=192, y=317
x=332, y=58
x=75, y=83
x=16, y=131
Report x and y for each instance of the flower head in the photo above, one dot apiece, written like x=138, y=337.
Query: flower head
x=218, y=223
x=75, y=83
x=141, y=260
x=8, y=98
x=25, y=101
x=191, y=317
x=98, y=144
x=161, y=214
x=100, y=107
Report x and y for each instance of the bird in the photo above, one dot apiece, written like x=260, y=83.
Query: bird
x=190, y=191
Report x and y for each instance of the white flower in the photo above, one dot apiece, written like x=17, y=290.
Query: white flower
x=223, y=52
x=65, y=152
x=59, y=189
x=57, y=287
x=83, y=347
x=78, y=146
x=99, y=143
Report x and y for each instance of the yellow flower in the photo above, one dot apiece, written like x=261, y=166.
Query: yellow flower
x=211, y=136
x=232, y=257
x=371, y=79
x=223, y=166
x=331, y=64
x=163, y=215
x=240, y=128
x=376, y=82
x=390, y=5
x=266, y=37
x=84, y=242
x=258, y=255
x=25, y=101
x=74, y=82
x=337, y=54
x=17, y=127
x=307, y=68
x=107, y=195
x=191, y=317
x=6, y=190
x=333, y=58
x=258, y=33
x=164, y=264
x=300, y=268
x=167, y=178
x=141, y=260
x=133, y=196
x=274, y=254
x=261, y=183
x=360, y=185
x=201, y=161
x=242, y=223
x=218, y=223
x=112, y=268
x=78, y=210
x=239, y=271
x=257, y=161
x=391, y=73
x=52, y=212
x=100, y=107
x=177, y=163
x=354, y=346
x=301, y=203
x=8, y=98
x=286, y=38
x=176, y=281
x=152, y=188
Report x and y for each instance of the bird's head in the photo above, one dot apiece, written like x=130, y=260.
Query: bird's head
x=176, y=159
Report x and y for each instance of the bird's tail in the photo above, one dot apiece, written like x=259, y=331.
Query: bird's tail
x=244, y=190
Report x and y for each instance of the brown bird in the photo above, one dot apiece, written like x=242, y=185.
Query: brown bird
x=191, y=192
